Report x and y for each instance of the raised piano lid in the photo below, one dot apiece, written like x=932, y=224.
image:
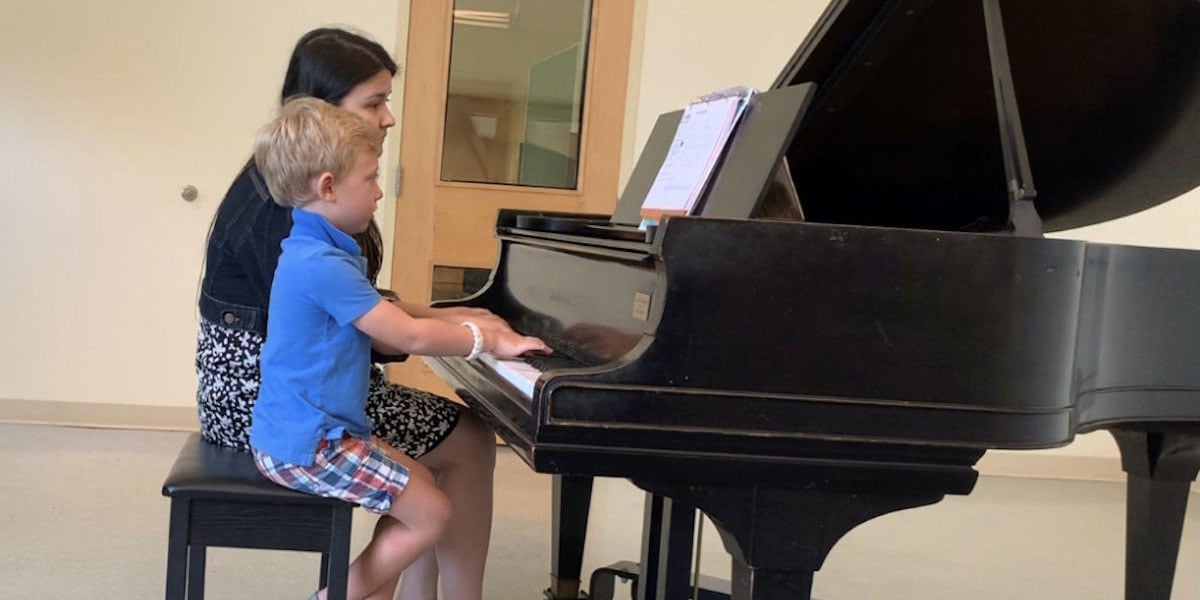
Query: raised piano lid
x=904, y=132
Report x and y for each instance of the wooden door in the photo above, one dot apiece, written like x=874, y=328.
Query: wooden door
x=507, y=104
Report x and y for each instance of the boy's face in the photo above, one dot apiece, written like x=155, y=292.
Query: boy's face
x=357, y=194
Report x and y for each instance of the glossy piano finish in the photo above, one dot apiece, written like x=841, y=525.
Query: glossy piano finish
x=581, y=298
x=773, y=320
x=1031, y=342
x=746, y=390
x=1137, y=352
x=1137, y=376
x=903, y=129
x=793, y=380
x=749, y=354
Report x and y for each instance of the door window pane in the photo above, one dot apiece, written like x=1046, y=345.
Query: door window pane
x=514, y=105
x=450, y=283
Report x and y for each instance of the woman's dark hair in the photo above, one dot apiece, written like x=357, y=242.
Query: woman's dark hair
x=327, y=63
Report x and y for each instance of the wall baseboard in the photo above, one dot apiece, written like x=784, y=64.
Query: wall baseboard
x=1043, y=465
x=100, y=416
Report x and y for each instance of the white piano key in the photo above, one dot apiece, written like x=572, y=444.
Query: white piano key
x=519, y=373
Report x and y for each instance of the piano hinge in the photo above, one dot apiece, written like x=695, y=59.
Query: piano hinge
x=1023, y=219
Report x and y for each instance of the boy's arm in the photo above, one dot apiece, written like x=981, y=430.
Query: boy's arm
x=399, y=331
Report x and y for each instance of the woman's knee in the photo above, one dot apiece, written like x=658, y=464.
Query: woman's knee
x=437, y=515
x=419, y=471
x=480, y=437
x=471, y=446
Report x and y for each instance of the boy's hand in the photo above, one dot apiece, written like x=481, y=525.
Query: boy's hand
x=510, y=345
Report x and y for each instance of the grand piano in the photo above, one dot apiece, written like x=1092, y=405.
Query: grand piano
x=793, y=378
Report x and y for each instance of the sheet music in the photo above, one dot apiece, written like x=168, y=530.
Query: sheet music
x=703, y=132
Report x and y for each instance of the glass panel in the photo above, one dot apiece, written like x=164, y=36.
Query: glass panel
x=515, y=98
x=457, y=282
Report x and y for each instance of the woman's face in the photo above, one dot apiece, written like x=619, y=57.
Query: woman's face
x=369, y=100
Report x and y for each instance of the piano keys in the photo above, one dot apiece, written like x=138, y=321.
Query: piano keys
x=519, y=373
x=793, y=379
x=523, y=373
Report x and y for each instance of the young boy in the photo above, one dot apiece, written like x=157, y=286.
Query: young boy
x=310, y=431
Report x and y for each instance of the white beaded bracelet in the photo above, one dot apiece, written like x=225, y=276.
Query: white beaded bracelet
x=476, y=340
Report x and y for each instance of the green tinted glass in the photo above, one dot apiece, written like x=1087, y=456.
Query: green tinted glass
x=515, y=100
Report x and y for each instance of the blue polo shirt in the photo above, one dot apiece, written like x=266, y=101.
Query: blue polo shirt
x=315, y=363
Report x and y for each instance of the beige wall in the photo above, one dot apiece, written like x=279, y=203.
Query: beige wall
x=694, y=47
x=107, y=109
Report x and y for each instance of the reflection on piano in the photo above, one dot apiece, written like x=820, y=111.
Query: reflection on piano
x=795, y=379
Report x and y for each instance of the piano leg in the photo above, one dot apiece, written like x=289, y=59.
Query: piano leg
x=572, y=502
x=1160, y=467
x=780, y=537
x=667, y=531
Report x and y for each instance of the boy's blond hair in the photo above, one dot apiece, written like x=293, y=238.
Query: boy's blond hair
x=309, y=137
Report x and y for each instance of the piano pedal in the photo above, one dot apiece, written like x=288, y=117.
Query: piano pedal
x=602, y=585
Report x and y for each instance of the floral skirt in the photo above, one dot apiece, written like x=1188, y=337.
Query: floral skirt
x=413, y=421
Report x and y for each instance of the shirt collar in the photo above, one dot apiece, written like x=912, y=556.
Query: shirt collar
x=310, y=224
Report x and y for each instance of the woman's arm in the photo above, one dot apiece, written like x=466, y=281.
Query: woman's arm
x=386, y=353
x=395, y=329
x=455, y=314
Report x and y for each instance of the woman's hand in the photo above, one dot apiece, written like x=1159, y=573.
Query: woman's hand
x=482, y=317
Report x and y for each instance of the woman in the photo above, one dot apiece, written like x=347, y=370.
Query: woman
x=354, y=73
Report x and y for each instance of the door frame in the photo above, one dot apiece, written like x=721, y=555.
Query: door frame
x=452, y=223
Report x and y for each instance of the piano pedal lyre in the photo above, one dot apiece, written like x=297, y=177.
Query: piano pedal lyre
x=602, y=585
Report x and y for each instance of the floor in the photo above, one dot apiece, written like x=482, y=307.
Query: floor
x=81, y=518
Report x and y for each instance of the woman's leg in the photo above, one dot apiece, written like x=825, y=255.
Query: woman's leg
x=413, y=421
x=464, y=464
x=388, y=589
x=420, y=579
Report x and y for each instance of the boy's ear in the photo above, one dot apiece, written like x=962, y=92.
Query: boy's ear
x=323, y=186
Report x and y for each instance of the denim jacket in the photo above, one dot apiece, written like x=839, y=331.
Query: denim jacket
x=243, y=249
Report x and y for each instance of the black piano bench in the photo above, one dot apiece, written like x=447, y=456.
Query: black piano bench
x=218, y=498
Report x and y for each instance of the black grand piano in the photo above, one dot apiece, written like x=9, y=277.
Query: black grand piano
x=795, y=378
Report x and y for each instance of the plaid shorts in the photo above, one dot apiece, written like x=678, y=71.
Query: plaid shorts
x=350, y=469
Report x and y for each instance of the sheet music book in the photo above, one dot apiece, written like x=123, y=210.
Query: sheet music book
x=704, y=130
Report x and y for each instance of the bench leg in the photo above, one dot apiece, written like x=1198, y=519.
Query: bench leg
x=324, y=570
x=195, y=579
x=338, y=561
x=177, y=549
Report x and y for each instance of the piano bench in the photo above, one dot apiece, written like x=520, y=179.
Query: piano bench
x=602, y=584
x=218, y=498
